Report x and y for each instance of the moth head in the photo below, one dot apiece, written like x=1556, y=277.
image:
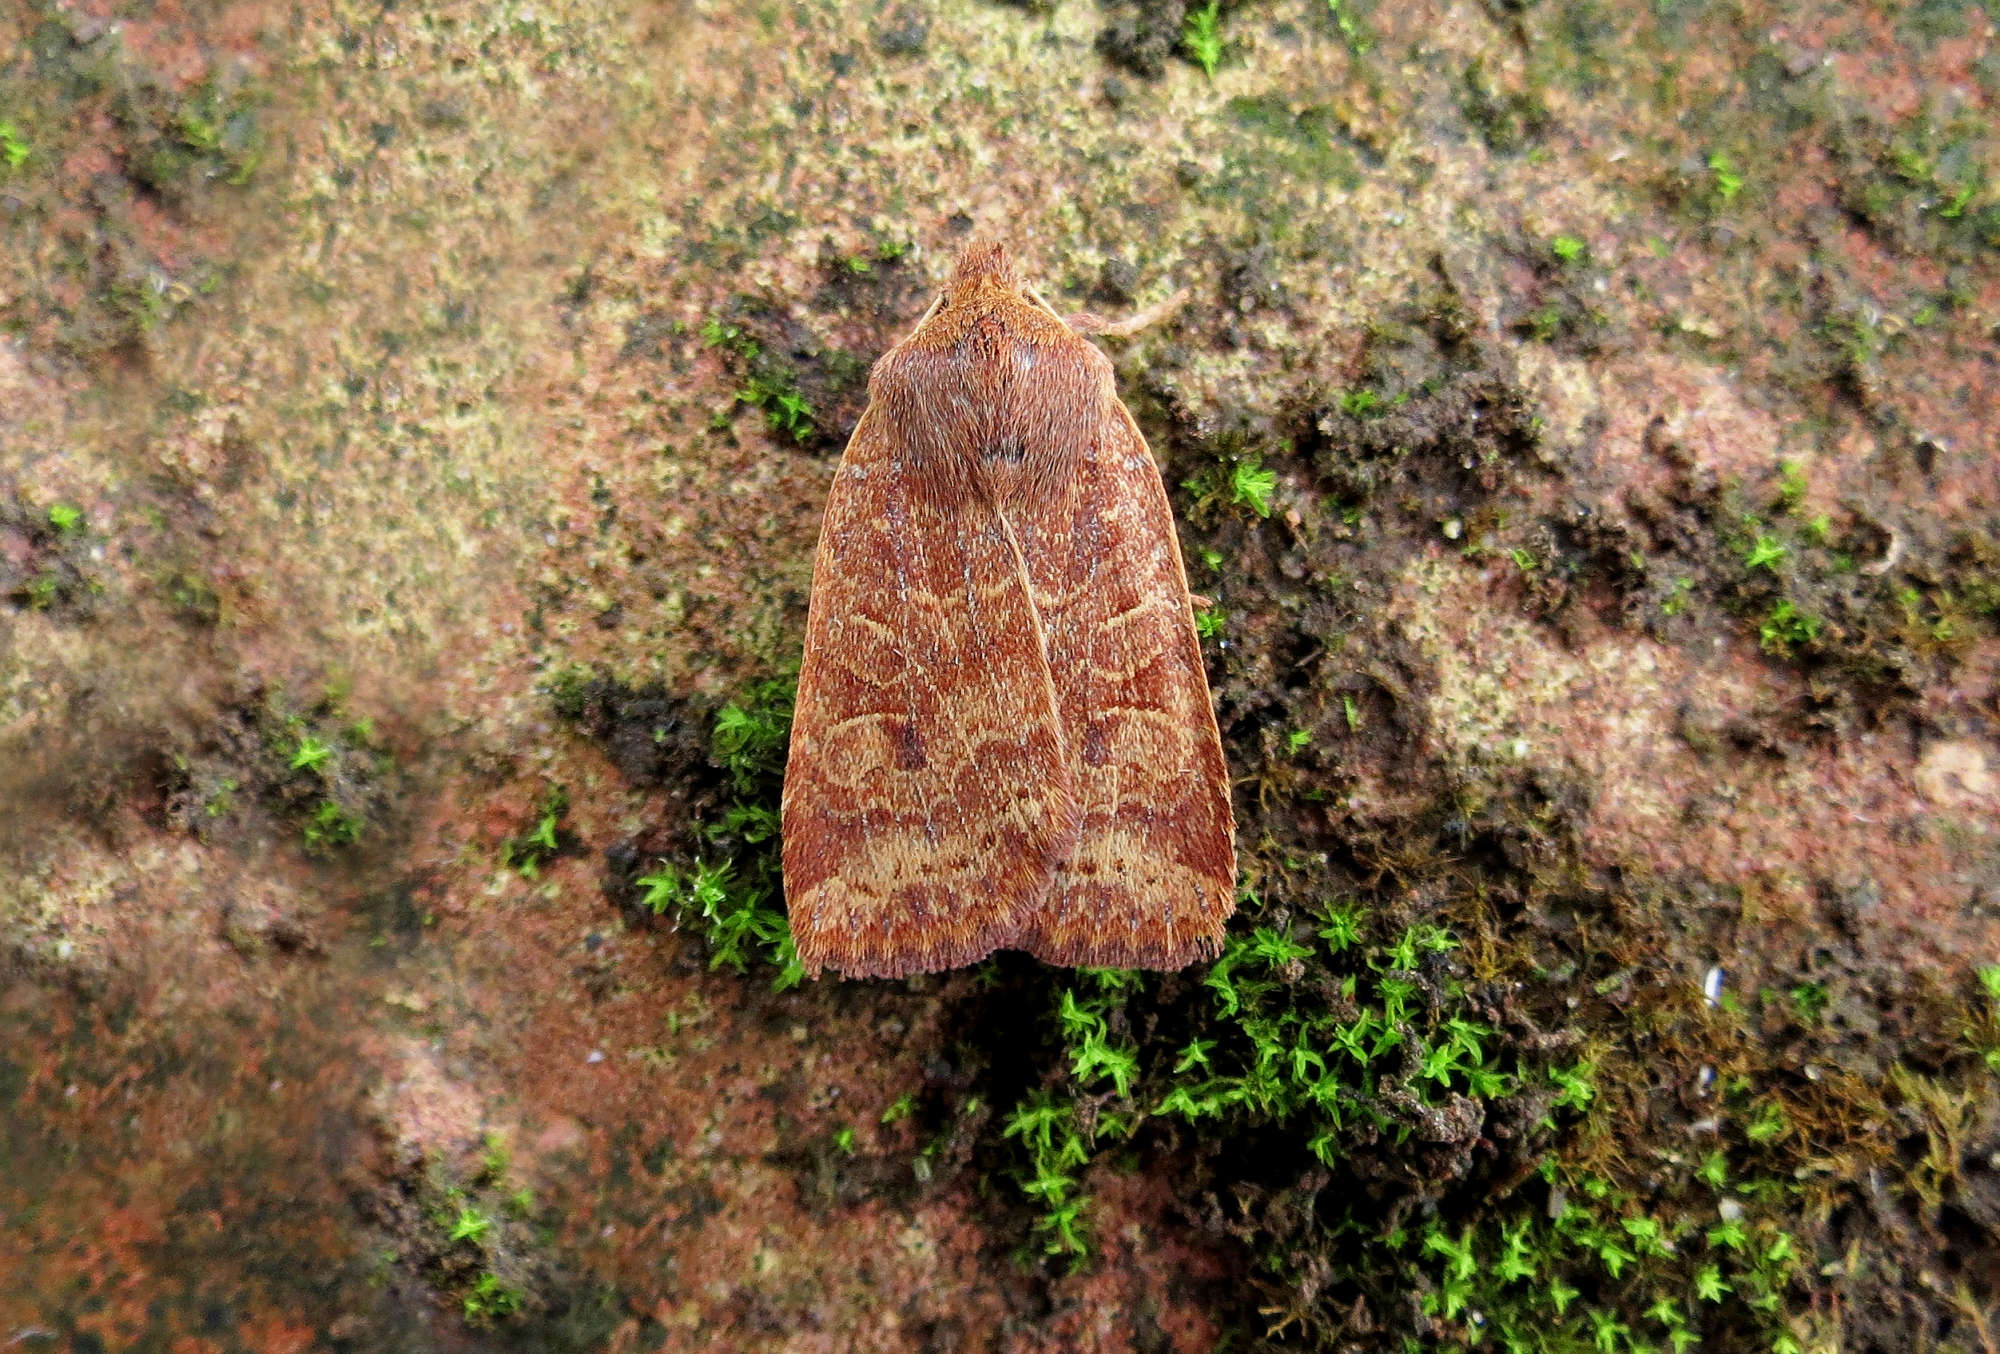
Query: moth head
x=983, y=287
x=983, y=264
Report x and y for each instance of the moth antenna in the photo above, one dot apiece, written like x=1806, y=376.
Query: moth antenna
x=935, y=305
x=1036, y=297
x=1087, y=322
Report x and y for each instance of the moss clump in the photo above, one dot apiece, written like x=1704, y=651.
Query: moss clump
x=1919, y=185
x=329, y=783
x=805, y=368
x=1509, y=121
x=528, y=852
x=718, y=877
x=768, y=384
x=94, y=279
x=310, y=765
x=181, y=142
x=46, y=565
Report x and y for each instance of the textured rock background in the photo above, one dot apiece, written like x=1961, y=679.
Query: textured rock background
x=414, y=423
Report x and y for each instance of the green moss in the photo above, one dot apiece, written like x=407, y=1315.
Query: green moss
x=179, y=142
x=1766, y=552
x=1201, y=37
x=1353, y=29
x=1309, y=143
x=321, y=769
x=730, y=893
x=311, y=754
x=1301, y=1030
x=768, y=384
x=1983, y=1029
x=1787, y=628
x=1251, y=486
x=469, y=1225
x=490, y=1299
x=1724, y=182
x=14, y=150
x=1508, y=121
x=528, y=852
x=330, y=825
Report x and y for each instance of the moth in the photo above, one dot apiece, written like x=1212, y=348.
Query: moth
x=1003, y=735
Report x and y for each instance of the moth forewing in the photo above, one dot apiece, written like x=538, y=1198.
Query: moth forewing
x=1003, y=735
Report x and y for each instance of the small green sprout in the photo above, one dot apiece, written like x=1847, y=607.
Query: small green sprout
x=1251, y=485
x=312, y=754
x=495, y=1159
x=1792, y=484
x=544, y=833
x=1568, y=248
x=1357, y=37
x=1212, y=557
x=1524, y=560
x=218, y=803
x=1275, y=949
x=490, y=1297
x=1769, y=1124
x=540, y=844
x=1575, y=1086
x=843, y=1139
x=903, y=1107
x=662, y=889
x=1209, y=623
x=750, y=738
x=789, y=413
x=1202, y=36
x=1297, y=741
x=42, y=590
x=1647, y=1236
x=1810, y=999
x=13, y=148
x=1989, y=981
x=1820, y=529
x=1607, y=1332
x=1728, y=183
x=1766, y=552
x=1359, y=403
x=1195, y=1055
x=1786, y=627
x=65, y=518
x=332, y=825
x=1516, y=1262
x=470, y=1225
x=1351, y=712
x=1343, y=928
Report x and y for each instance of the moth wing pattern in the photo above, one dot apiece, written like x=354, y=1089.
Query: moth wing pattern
x=1151, y=879
x=927, y=792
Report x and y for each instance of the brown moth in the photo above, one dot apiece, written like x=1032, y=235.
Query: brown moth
x=1003, y=736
